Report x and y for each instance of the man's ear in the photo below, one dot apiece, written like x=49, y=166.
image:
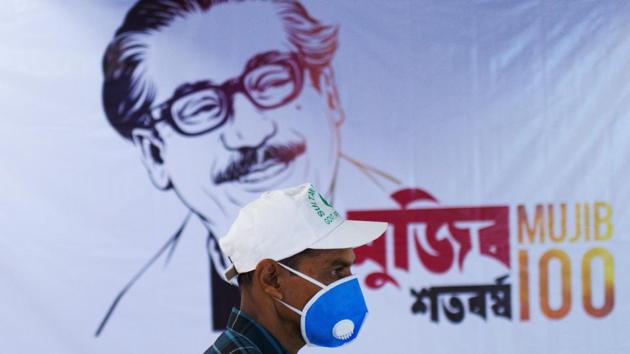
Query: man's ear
x=267, y=273
x=151, y=150
x=328, y=88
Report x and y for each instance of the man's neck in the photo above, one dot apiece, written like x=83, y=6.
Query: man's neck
x=282, y=330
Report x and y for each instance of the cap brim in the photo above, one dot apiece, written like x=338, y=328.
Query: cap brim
x=351, y=234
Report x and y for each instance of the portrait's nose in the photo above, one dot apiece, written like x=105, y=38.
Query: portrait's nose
x=248, y=127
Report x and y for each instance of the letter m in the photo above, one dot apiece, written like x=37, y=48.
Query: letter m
x=537, y=227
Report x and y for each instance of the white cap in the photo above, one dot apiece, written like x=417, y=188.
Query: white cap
x=282, y=223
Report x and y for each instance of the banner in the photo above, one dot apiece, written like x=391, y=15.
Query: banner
x=492, y=136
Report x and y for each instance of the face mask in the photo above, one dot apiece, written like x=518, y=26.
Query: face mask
x=334, y=315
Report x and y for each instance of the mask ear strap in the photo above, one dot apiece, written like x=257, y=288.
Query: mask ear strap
x=304, y=276
x=290, y=307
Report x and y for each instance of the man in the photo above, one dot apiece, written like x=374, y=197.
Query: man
x=218, y=122
x=292, y=253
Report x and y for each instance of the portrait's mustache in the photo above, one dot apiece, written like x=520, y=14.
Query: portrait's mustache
x=250, y=158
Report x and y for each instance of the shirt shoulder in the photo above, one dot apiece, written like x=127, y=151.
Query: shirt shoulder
x=232, y=342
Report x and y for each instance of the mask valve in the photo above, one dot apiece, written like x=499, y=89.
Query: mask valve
x=343, y=329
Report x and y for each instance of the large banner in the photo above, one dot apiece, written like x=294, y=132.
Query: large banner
x=493, y=136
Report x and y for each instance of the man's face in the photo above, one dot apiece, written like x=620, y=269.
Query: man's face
x=258, y=146
x=326, y=266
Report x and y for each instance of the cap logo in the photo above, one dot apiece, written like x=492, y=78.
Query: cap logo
x=324, y=201
x=328, y=218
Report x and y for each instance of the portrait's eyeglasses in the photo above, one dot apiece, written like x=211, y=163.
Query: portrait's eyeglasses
x=270, y=80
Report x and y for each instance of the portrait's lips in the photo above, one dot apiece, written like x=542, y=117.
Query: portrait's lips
x=255, y=166
x=264, y=171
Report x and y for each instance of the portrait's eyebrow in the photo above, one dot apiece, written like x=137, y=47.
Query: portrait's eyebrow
x=263, y=58
x=187, y=87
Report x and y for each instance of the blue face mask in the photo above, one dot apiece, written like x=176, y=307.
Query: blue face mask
x=334, y=315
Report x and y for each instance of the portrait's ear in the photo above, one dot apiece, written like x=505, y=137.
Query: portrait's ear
x=151, y=150
x=329, y=90
x=268, y=275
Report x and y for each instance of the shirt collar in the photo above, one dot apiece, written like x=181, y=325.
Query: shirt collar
x=247, y=326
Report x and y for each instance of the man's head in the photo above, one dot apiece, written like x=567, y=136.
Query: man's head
x=292, y=253
x=271, y=284
x=225, y=99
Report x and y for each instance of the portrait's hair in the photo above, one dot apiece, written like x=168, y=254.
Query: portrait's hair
x=128, y=94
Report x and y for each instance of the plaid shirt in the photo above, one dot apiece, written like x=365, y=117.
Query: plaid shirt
x=245, y=336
